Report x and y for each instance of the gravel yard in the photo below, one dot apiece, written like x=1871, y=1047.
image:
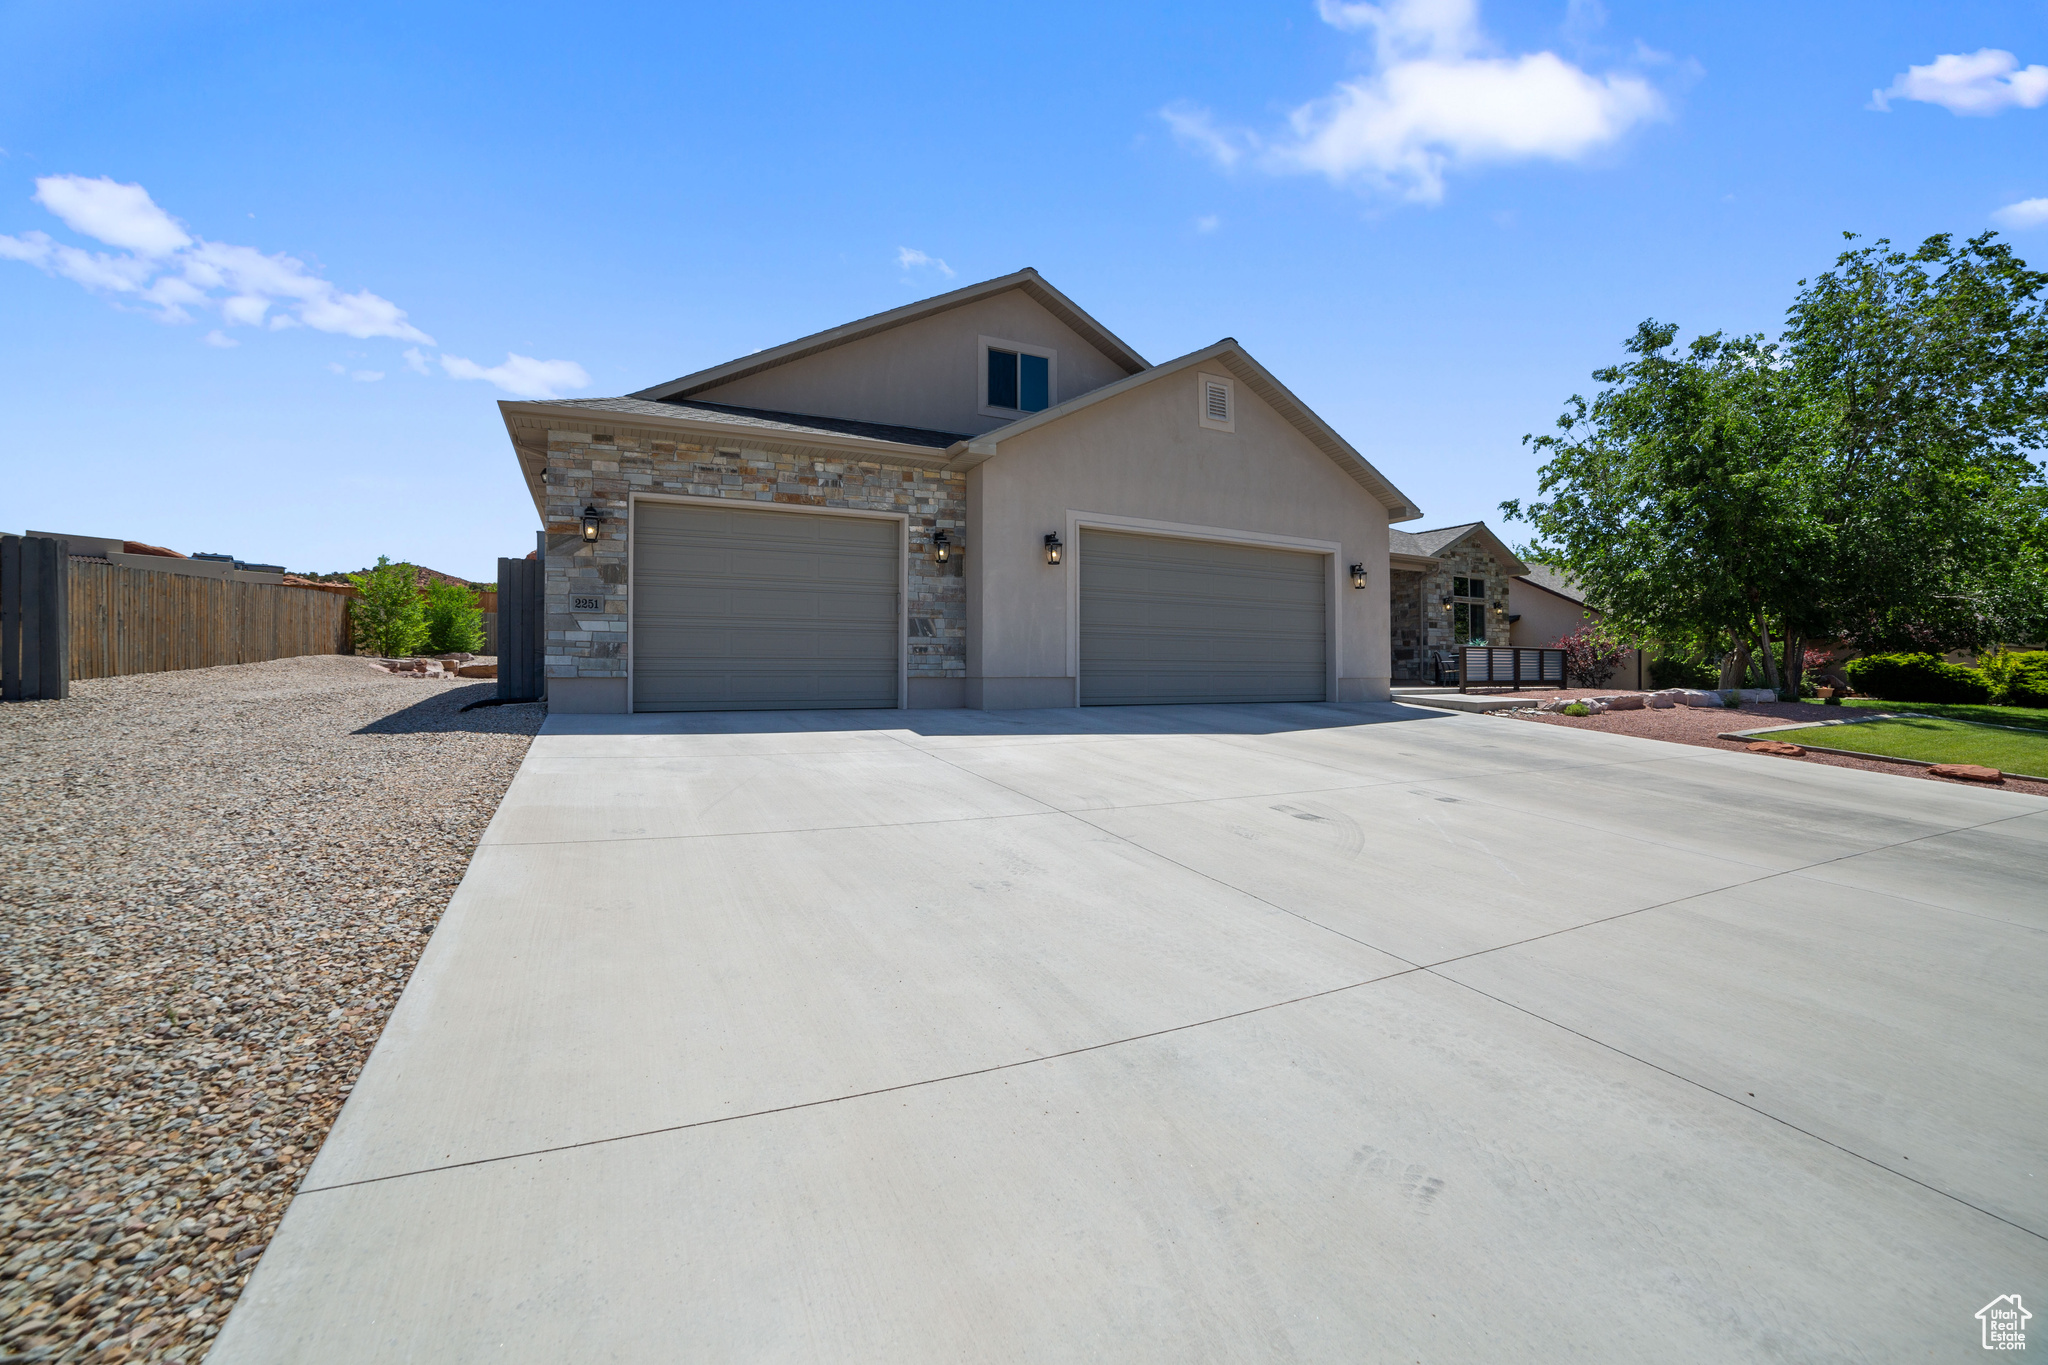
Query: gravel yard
x=213, y=885
x=1701, y=725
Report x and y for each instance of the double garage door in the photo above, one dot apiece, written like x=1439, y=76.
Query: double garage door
x=741, y=609
x=1166, y=621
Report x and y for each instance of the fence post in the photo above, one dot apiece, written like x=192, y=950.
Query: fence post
x=10, y=618
x=35, y=618
x=54, y=629
x=519, y=630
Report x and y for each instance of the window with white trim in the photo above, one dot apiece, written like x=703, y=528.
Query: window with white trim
x=1217, y=396
x=1017, y=379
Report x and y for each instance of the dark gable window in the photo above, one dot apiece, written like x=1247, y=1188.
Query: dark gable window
x=1023, y=382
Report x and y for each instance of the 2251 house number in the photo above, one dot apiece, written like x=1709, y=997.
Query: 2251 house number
x=586, y=604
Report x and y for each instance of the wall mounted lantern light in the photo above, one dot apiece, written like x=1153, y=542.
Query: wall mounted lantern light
x=1358, y=575
x=592, y=518
x=1053, y=548
x=942, y=548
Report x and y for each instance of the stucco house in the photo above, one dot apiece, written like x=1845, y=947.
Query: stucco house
x=984, y=499
x=1545, y=605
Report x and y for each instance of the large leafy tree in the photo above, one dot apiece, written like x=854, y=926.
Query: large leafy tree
x=1868, y=476
x=1923, y=378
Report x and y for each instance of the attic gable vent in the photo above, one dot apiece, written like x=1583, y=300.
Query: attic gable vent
x=1219, y=403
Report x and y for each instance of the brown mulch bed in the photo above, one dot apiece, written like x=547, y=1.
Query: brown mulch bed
x=1699, y=725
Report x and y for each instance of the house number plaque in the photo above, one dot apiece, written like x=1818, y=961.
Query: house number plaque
x=586, y=604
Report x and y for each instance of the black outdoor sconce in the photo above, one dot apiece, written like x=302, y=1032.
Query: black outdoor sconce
x=942, y=548
x=592, y=518
x=1358, y=575
x=1053, y=548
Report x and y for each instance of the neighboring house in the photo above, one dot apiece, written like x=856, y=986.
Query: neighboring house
x=1544, y=605
x=134, y=554
x=1446, y=588
x=984, y=499
x=1462, y=585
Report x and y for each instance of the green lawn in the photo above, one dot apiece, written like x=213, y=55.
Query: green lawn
x=1934, y=739
x=2031, y=717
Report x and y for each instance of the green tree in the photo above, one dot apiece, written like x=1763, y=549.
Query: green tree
x=1923, y=381
x=389, y=618
x=455, y=621
x=1672, y=495
x=1867, y=476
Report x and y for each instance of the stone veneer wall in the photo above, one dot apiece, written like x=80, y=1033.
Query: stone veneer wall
x=1415, y=606
x=1404, y=616
x=583, y=470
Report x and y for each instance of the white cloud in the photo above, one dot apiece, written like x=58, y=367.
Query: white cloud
x=161, y=265
x=521, y=375
x=2027, y=213
x=909, y=257
x=119, y=215
x=1434, y=100
x=1208, y=222
x=176, y=273
x=1196, y=128
x=1982, y=83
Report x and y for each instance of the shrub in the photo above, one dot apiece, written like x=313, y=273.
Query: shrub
x=1590, y=656
x=1683, y=671
x=1916, y=677
x=2028, y=683
x=389, y=619
x=1578, y=708
x=455, y=623
x=2003, y=669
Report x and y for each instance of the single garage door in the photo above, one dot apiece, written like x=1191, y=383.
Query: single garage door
x=737, y=609
x=1166, y=620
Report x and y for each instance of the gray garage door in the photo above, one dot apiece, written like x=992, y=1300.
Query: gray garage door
x=1193, y=621
x=736, y=609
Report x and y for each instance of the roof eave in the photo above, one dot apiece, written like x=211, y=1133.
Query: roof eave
x=1027, y=279
x=533, y=457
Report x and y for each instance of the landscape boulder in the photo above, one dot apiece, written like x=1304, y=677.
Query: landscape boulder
x=477, y=671
x=1969, y=772
x=1775, y=746
x=1692, y=696
x=1625, y=701
x=1659, y=701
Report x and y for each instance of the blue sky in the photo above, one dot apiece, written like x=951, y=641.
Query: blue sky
x=1431, y=220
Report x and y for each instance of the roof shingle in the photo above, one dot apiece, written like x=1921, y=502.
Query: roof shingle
x=760, y=419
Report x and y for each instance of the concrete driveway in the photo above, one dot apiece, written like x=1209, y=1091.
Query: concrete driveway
x=1175, y=1034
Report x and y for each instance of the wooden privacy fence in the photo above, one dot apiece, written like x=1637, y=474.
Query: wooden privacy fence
x=127, y=620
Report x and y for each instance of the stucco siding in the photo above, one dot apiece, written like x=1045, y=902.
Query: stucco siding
x=1545, y=617
x=924, y=373
x=1143, y=456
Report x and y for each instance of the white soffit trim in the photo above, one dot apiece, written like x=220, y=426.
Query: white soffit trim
x=1028, y=280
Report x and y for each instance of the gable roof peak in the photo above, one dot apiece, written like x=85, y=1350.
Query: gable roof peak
x=1028, y=281
x=1228, y=355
